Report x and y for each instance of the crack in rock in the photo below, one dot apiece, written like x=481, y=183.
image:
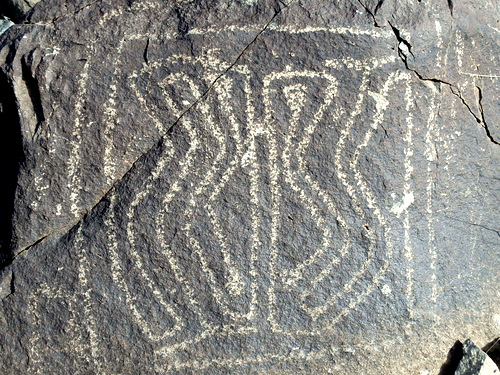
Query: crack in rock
x=370, y=13
x=453, y=88
x=62, y=231
x=6, y=284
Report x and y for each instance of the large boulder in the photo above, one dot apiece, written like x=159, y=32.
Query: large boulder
x=226, y=187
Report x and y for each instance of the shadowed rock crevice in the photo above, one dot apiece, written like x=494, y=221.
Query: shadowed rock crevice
x=370, y=13
x=482, y=121
x=16, y=10
x=453, y=359
x=450, y=6
x=11, y=154
x=33, y=89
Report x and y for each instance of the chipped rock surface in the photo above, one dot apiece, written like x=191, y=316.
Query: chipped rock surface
x=5, y=23
x=248, y=187
x=475, y=361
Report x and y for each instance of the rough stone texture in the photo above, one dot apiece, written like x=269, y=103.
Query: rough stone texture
x=475, y=361
x=254, y=187
x=6, y=285
x=16, y=9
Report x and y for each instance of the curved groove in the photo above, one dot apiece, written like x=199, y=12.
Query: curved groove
x=207, y=180
x=110, y=116
x=218, y=293
x=350, y=63
x=406, y=192
x=138, y=199
x=156, y=173
x=318, y=311
x=271, y=135
x=296, y=274
x=372, y=203
x=186, y=166
x=135, y=256
x=235, y=284
x=369, y=199
x=76, y=141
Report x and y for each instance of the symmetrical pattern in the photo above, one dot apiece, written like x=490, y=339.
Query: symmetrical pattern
x=289, y=204
x=264, y=154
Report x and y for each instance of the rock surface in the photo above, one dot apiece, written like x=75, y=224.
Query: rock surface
x=5, y=23
x=16, y=9
x=475, y=361
x=247, y=187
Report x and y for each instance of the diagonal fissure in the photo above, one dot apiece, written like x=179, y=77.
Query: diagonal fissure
x=168, y=131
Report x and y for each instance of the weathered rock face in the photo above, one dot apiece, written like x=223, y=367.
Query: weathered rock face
x=249, y=187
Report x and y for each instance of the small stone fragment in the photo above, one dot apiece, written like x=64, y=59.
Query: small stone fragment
x=5, y=23
x=475, y=361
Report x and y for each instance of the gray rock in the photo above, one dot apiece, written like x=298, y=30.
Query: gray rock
x=17, y=9
x=5, y=23
x=475, y=361
x=5, y=284
x=244, y=187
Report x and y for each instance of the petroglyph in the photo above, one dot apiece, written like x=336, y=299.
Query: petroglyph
x=285, y=165
x=230, y=207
